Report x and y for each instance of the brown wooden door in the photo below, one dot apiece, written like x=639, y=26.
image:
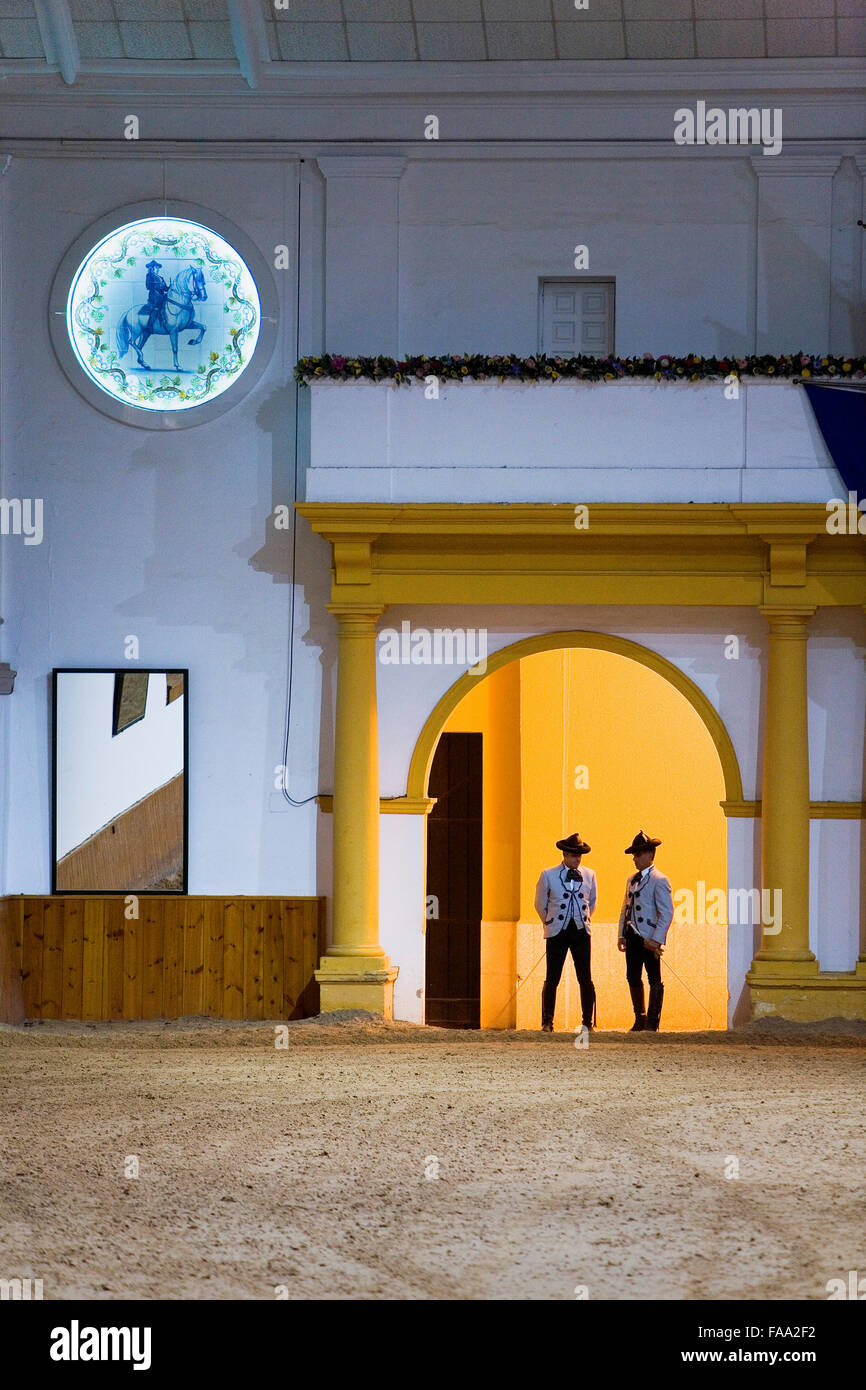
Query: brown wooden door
x=453, y=984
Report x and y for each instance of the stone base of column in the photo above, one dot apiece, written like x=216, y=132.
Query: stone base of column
x=832, y=994
x=772, y=967
x=353, y=982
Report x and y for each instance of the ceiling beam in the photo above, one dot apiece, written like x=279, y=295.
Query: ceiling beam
x=250, y=38
x=58, y=37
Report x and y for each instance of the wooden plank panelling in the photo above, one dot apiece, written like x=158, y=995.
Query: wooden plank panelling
x=73, y=951
x=92, y=959
x=254, y=941
x=31, y=956
x=193, y=988
x=51, y=993
x=214, y=966
x=152, y=957
x=83, y=957
x=173, y=960
x=132, y=965
x=272, y=977
x=115, y=924
x=293, y=963
x=233, y=959
x=11, y=994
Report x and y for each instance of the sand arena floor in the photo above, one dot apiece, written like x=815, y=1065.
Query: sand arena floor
x=370, y=1160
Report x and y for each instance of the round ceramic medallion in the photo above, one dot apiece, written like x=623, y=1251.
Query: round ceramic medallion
x=163, y=314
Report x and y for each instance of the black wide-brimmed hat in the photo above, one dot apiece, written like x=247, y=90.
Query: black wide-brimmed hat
x=641, y=843
x=573, y=845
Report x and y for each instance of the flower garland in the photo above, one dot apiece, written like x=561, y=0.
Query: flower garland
x=479, y=367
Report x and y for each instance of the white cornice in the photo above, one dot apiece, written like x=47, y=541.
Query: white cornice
x=390, y=158
x=796, y=165
x=362, y=165
x=342, y=107
x=700, y=77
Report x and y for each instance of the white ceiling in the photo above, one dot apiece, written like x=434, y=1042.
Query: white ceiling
x=85, y=35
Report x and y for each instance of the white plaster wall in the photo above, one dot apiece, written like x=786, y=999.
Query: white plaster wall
x=835, y=864
x=677, y=233
x=160, y=534
x=401, y=908
x=100, y=775
x=744, y=871
x=617, y=441
x=837, y=704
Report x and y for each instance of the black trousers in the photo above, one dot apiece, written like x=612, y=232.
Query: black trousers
x=557, y=948
x=636, y=957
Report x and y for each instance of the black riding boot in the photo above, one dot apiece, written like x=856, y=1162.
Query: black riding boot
x=654, y=1012
x=587, y=1005
x=548, y=1004
x=637, y=1003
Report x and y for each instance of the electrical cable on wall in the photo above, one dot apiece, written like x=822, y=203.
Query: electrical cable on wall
x=286, y=793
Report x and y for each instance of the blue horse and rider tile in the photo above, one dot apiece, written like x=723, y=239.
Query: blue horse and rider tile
x=163, y=314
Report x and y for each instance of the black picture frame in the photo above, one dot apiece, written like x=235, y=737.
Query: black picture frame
x=168, y=669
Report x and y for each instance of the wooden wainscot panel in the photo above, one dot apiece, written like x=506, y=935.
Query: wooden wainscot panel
x=114, y=957
x=11, y=993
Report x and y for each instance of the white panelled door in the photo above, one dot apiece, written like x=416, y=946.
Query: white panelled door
x=577, y=317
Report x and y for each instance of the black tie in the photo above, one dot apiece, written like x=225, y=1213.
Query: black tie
x=574, y=874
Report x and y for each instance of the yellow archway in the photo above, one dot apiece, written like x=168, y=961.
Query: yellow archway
x=422, y=756
x=681, y=557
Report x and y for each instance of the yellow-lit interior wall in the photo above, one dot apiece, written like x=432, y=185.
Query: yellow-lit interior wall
x=588, y=740
x=608, y=747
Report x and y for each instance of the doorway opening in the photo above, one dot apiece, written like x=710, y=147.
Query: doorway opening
x=454, y=877
x=574, y=738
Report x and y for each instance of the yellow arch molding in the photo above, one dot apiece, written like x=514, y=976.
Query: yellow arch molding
x=422, y=757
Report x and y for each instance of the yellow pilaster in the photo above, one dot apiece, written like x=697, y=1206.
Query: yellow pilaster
x=784, y=958
x=354, y=972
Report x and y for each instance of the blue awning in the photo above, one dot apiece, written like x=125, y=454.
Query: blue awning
x=841, y=415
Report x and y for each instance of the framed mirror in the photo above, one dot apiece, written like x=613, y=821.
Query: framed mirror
x=119, y=781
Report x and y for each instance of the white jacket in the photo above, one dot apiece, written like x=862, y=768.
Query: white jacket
x=553, y=893
x=653, y=906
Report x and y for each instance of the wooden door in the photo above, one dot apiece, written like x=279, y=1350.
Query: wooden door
x=453, y=983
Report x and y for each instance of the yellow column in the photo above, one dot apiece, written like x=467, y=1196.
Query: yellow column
x=785, y=954
x=354, y=972
x=860, y=968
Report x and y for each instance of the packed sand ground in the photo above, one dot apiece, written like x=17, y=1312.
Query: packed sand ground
x=371, y=1160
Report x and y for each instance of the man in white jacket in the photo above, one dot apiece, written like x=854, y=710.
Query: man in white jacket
x=565, y=901
x=647, y=912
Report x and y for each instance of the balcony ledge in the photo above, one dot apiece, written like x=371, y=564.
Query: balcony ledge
x=620, y=441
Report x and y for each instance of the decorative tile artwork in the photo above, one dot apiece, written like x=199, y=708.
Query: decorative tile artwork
x=163, y=314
